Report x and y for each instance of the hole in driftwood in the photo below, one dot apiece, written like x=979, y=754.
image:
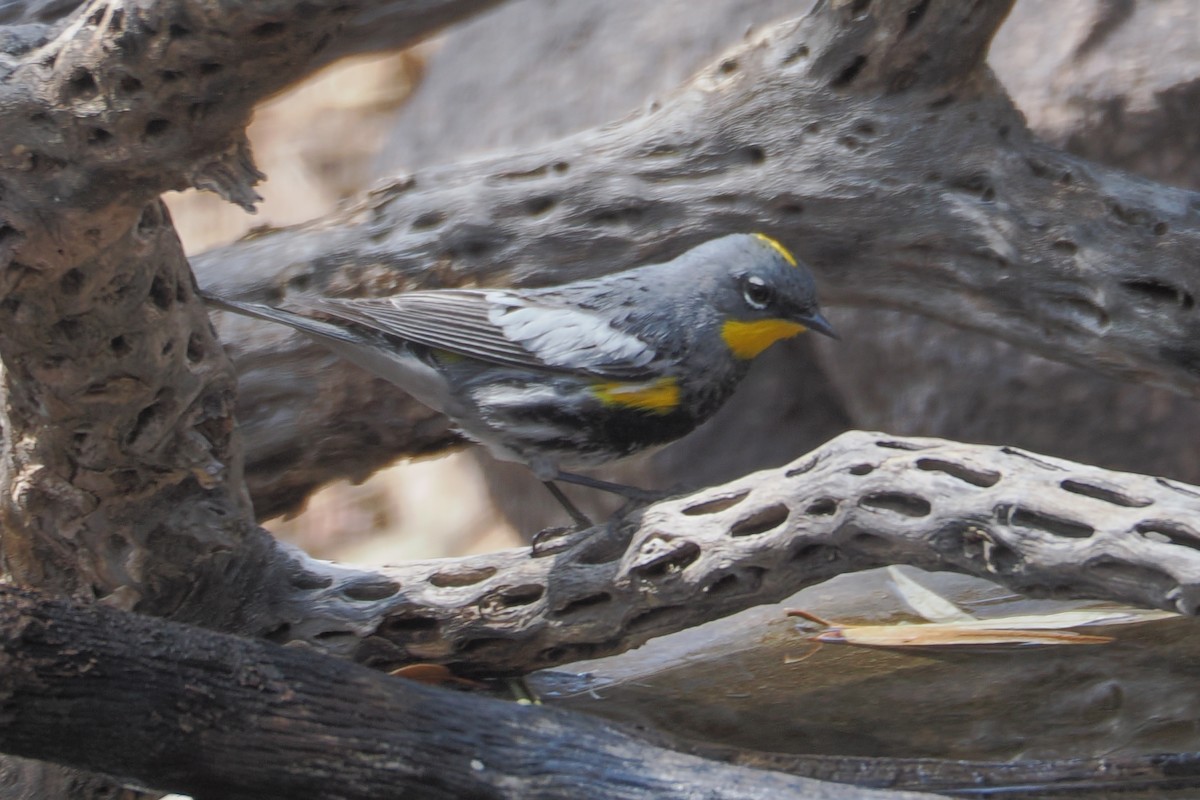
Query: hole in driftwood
x=678, y=559
x=371, y=589
x=889, y=444
x=82, y=84
x=307, y=581
x=1159, y=292
x=822, y=507
x=427, y=220
x=861, y=469
x=849, y=72
x=407, y=625
x=466, y=576
x=760, y=522
x=716, y=504
x=1038, y=520
x=71, y=282
x=1169, y=532
x=536, y=206
x=582, y=604
x=747, y=582
x=625, y=215
x=157, y=127
x=475, y=246
x=910, y=505
x=723, y=585
x=802, y=468
x=976, y=477
x=816, y=553
x=915, y=14
x=1106, y=495
x=978, y=184
x=8, y=234
x=161, y=293
x=513, y=596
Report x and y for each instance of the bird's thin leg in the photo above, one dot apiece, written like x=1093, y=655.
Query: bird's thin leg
x=581, y=519
x=628, y=492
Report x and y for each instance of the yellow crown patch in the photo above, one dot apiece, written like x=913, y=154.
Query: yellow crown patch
x=783, y=251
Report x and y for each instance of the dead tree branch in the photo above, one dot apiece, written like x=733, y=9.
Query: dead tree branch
x=1042, y=526
x=122, y=475
x=226, y=717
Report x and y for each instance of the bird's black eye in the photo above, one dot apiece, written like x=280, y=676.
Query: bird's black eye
x=757, y=293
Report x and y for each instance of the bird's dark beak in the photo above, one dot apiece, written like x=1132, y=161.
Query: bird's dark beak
x=816, y=322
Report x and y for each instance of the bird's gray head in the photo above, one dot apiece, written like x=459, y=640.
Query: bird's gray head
x=762, y=293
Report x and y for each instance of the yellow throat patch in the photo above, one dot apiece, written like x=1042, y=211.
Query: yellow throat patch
x=660, y=395
x=783, y=251
x=748, y=339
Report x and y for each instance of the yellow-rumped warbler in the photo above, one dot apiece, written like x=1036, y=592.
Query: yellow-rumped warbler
x=584, y=373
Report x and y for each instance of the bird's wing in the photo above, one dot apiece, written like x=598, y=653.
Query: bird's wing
x=502, y=327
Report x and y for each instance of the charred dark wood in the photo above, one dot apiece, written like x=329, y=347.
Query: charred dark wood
x=225, y=717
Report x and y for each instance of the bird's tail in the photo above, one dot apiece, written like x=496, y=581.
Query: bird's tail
x=299, y=322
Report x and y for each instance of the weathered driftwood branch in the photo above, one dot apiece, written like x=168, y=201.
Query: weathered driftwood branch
x=118, y=416
x=226, y=717
x=872, y=140
x=121, y=474
x=367, y=27
x=127, y=100
x=1040, y=525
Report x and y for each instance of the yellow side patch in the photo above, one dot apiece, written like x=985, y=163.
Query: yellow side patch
x=748, y=339
x=661, y=395
x=783, y=251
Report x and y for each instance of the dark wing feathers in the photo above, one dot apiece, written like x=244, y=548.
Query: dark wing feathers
x=502, y=327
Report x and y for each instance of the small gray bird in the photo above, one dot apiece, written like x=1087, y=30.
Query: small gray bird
x=581, y=374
